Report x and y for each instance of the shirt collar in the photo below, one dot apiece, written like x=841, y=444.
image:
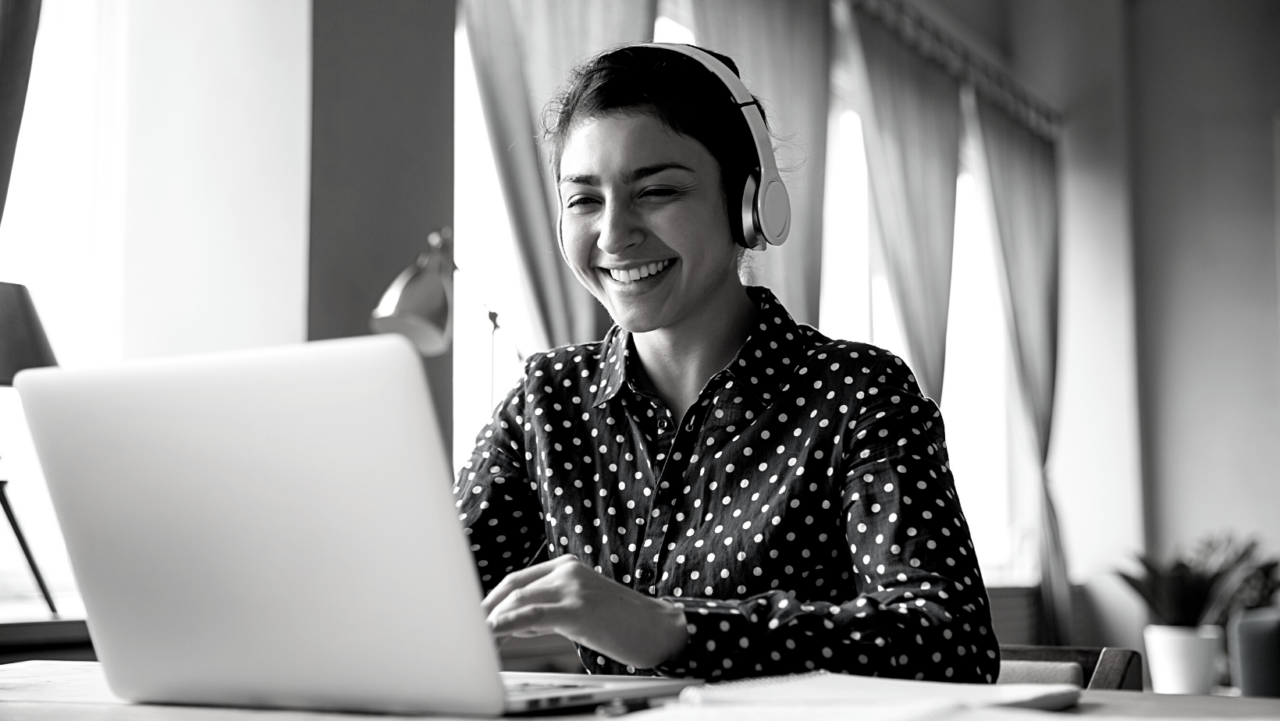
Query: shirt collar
x=765, y=359
x=611, y=377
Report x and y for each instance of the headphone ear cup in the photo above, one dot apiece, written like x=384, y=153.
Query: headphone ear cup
x=752, y=238
x=766, y=211
x=773, y=210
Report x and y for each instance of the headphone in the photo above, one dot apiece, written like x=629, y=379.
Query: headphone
x=766, y=206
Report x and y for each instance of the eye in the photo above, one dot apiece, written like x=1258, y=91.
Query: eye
x=659, y=192
x=580, y=201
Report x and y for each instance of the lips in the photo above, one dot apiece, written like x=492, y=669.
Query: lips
x=631, y=275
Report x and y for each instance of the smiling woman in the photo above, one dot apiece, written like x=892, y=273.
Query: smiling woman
x=722, y=492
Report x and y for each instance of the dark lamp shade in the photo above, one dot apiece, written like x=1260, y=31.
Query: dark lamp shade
x=418, y=302
x=23, y=343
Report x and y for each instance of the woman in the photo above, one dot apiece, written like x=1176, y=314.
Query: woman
x=720, y=491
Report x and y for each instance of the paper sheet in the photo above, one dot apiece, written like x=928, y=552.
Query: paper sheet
x=902, y=711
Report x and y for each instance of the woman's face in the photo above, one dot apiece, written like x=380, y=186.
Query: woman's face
x=643, y=222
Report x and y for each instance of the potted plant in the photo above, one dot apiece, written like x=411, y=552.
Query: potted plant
x=1190, y=599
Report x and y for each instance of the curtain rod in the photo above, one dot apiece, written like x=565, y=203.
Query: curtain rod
x=991, y=82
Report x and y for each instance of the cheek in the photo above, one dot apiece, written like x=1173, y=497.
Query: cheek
x=575, y=243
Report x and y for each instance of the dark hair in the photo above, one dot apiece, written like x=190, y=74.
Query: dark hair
x=673, y=87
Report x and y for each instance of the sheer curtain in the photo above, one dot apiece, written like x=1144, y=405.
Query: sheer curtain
x=18, y=22
x=781, y=49
x=1023, y=176
x=522, y=52
x=910, y=110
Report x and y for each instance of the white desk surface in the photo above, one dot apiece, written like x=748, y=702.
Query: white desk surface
x=77, y=691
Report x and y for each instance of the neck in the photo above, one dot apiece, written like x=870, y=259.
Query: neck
x=680, y=359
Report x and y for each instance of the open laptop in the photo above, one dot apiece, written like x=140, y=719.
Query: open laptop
x=276, y=528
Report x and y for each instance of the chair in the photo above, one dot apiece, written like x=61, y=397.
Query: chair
x=1091, y=668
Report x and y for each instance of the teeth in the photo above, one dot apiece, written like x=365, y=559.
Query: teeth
x=633, y=274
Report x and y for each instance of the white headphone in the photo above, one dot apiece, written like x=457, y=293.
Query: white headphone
x=766, y=206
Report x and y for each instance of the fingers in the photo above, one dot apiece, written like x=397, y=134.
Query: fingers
x=520, y=579
x=607, y=617
x=528, y=620
x=535, y=603
x=539, y=592
x=563, y=596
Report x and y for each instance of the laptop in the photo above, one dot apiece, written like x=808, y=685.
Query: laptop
x=276, y=528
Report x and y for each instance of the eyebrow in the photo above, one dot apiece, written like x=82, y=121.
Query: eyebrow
x=633, y=176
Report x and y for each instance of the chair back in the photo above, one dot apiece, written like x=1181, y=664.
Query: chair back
x=1088, y=667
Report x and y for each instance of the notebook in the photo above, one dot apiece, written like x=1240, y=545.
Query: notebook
x=276, y=528
x=821, y=688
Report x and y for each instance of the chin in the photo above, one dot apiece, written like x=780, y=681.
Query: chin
x=635, y=325
x=631, y=317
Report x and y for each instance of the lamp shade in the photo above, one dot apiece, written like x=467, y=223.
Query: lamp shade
x=23, y=343
x=418, y=302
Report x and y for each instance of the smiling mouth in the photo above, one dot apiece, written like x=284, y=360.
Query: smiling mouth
x=632, y=275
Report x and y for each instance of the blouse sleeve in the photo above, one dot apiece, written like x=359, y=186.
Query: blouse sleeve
x=916, y=604
x=497, y=500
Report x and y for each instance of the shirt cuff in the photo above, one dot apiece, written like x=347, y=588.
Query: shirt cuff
x=718, y=638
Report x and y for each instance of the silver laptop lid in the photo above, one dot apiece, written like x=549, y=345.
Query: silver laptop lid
x=268, y=528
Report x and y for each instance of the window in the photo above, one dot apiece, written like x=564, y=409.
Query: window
x=49, y=242
x=979, y=400
x=845, y=294
x=489, y=285
x=979, y=404
x=106, y=208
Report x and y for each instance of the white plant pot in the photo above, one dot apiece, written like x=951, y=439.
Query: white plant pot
x=1182, y=659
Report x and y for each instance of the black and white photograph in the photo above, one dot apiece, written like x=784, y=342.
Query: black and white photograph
x=692, y=359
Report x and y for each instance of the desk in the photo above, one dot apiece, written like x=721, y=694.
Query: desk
x=1131, y=704
x=77, y=691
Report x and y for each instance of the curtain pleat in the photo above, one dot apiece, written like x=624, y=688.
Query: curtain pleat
x=18, y=22
x=782, y=52
x=523, y=50
x=911, y=118
x=1023, y=175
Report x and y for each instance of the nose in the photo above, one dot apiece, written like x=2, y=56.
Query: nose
x=620, y=228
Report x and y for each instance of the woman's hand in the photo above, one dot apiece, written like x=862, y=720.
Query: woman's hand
x=563, y=596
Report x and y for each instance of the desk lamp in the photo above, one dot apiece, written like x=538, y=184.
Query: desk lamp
x=22, y=345
x=418, y=302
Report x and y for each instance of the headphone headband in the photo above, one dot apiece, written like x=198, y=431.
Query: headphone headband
x=766, y=206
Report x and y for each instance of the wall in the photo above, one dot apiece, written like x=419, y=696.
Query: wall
x=382, y=159
x=1206, y=90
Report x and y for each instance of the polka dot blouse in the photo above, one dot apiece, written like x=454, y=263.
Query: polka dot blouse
x=802, y=512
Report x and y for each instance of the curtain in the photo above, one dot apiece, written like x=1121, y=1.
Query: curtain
x=1023, y=177
x=522, y=50
x=910, y=109
x=781, y=49
x=18, y=22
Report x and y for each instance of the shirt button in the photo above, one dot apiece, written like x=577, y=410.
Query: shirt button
x=640, y=574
